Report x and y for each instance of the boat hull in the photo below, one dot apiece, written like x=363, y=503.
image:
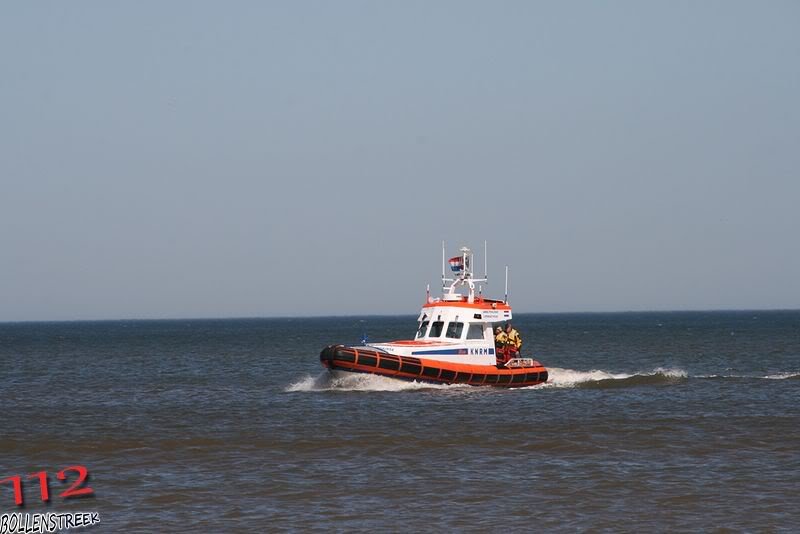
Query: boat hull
x=341, y=358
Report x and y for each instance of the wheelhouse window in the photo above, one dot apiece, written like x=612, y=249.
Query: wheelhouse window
x=423, y=327
x=475, y=331
x=436, y=329
x=454, y=330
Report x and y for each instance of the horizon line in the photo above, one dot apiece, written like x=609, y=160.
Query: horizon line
x=330, y=316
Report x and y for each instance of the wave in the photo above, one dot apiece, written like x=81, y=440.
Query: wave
x=783, y=376
x=570, y=378
x=778, y=376
x=327, y=381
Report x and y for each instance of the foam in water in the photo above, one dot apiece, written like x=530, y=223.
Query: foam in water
x=558, y=378
x=327, y=381
x=782, y=376
x=777, y=376
x=565, y=378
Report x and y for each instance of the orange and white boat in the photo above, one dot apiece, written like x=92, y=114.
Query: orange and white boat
x=454, y=343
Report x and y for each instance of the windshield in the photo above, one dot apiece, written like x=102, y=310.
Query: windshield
x=423, y=326
x=436, y=329
x=475, y=331
x=454, y=330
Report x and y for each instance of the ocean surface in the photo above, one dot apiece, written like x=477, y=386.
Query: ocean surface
x=650, y=422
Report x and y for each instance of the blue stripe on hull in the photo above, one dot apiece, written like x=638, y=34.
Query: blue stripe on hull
x=454, y=351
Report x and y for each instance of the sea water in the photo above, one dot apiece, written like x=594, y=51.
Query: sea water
x=660, y=421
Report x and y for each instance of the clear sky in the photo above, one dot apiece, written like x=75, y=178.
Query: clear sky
x=218, y=159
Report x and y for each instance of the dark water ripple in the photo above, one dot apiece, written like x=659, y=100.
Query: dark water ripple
x=683, y=421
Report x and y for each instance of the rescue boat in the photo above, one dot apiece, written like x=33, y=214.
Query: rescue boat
x=454, y=343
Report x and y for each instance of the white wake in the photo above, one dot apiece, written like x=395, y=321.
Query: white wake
x=327, y=381
x=557, y=378
x=567, y=378
x=782, y=376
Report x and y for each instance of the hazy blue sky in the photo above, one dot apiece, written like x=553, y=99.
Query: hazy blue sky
x=199, y=159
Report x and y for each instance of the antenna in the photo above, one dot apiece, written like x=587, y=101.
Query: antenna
x=506, y=299
x=442, y=263
x=485, y=264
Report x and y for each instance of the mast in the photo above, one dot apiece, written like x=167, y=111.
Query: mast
x=463, y=277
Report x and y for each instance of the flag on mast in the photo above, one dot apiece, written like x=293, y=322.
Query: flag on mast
x=457, y=264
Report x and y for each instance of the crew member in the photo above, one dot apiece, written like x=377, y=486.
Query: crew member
x=513, y=339
x=500, y=338
x=501, y=345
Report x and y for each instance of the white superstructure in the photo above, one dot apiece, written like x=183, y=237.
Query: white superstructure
x=458, y=326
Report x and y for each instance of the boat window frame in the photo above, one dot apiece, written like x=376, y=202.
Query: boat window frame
x=433, y=325
x=476, y=326
x=423, y=329
x=459, y=326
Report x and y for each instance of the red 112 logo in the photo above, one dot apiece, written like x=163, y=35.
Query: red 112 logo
x=77, y=489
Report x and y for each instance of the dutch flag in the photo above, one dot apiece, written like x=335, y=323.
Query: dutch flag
x=457, y=264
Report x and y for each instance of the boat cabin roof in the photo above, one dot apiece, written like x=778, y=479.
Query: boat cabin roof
x=480, y=311
x=463, y=302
